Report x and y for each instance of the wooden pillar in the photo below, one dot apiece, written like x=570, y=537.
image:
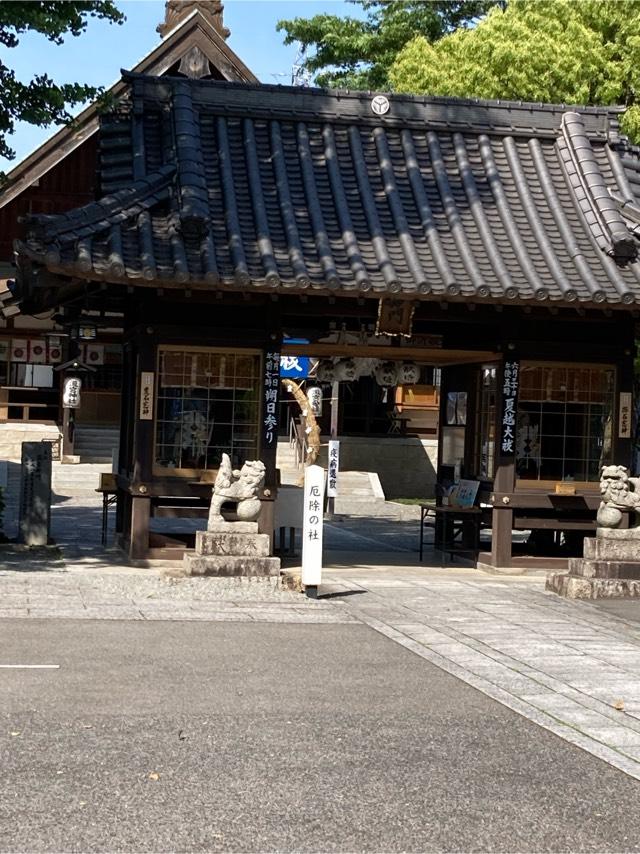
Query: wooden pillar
x=140, y=516
x=270, y=408
x=623, y=414
x=144, y=428
x=504, y=481
x=142, y=451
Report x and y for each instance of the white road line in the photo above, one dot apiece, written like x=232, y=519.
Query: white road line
x=29, y=666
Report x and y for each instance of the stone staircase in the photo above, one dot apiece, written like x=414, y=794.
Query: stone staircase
x=290, y=473
x=96, y=444
x=77, y=481
x=360, y=491
x=609, y=568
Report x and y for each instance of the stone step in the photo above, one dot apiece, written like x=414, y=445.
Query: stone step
x=229, y=566
x=576, y=587
x=587, y=568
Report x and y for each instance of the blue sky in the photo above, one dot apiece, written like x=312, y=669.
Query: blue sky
x=97, y=56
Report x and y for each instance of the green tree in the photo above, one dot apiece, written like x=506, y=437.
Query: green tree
x=41, y=101
x=357, y=53
x=559, y=51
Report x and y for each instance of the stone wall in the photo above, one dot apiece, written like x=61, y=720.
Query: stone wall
x=13, y=435
x=406, y=466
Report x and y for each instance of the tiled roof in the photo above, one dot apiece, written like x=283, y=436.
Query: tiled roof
x=219, y=185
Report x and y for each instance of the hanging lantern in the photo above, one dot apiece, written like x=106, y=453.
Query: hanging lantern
x=346, y=370
x=386, y=374
x=326, y=372
x=409, y=373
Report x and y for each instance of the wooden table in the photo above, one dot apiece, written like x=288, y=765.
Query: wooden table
x=456, y=529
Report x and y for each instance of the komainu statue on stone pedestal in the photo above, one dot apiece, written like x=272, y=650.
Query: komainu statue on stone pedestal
x=619, y=492
x=241, y=486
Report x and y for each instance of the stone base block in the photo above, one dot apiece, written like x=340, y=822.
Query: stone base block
x=574, y=587
x=619, y=534
x=233, y=528
x=230, y=543
x=231, y=565
x=607, y=548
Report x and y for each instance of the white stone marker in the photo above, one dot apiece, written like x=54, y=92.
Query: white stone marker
x=312, y=529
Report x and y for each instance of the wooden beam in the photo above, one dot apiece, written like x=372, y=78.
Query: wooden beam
x=433, y=355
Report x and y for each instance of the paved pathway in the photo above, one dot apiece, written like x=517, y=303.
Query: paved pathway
x=568, y=666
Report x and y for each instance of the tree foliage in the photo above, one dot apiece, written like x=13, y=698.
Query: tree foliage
x=41, y=101
x=357, y=54
x=558, y=51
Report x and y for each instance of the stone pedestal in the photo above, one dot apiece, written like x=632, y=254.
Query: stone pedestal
x=232, y=550
x=609, y=568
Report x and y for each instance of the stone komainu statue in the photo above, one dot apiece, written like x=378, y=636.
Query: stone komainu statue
x=241, y=486
x=619, y=492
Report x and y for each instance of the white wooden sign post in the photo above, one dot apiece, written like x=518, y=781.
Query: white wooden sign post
x=312, y=530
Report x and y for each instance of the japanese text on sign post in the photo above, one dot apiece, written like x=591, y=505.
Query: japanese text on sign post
x=270, y=409
x=146, y=395
x=334, y=467
x=312, y=526
x=624, y=422
x=509, y=407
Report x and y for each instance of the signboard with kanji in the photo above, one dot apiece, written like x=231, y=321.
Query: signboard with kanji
x=312, y=526
x=624, y=422
x=146, y=395
x=294, y=367
x=334, y=468
x=270, y=399
x=511, y=377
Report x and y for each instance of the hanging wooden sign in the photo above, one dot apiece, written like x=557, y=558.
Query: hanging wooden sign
x=146, y=395
x=270, y=407
x=510, y=381
x=624, y=420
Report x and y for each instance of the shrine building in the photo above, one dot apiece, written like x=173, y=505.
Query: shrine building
x=391, y=238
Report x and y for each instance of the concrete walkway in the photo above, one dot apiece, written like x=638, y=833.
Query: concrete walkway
x=568, y=666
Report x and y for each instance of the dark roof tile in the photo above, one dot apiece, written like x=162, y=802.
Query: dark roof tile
x=252, y=186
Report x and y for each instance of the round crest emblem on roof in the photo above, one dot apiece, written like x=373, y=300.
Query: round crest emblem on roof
x=380, y=105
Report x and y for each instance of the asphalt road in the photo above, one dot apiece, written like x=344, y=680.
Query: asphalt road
x=271, y=737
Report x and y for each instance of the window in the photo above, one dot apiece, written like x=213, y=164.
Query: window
x=207, y=405
x=564, y=422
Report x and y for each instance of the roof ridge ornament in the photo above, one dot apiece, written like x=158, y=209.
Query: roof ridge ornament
x=175, y=11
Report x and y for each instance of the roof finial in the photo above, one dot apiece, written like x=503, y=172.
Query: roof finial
x=176, y=11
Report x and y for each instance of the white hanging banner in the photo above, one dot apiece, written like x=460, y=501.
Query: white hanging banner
x=312, y=526
x=37, y=351
x=334, y=468
x=19, y=348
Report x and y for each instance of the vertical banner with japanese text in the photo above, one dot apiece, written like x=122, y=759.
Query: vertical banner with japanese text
x=270, y=399
x=510, y=380
x=312, y=526
x=334, y=468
